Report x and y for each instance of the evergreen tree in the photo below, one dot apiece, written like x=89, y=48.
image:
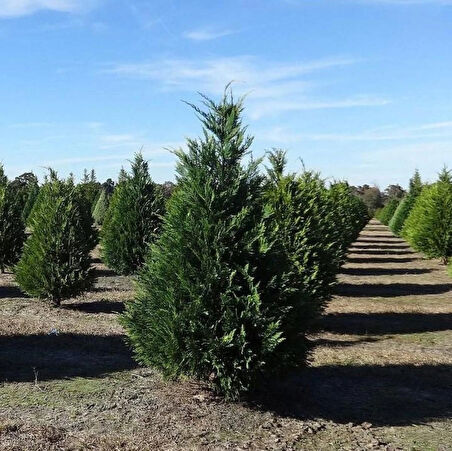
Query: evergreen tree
x=90, y=188
x=199, y=309
x=387, y=212
x=415, y=184
x=406, y=204
x=123, y=176
x=350, y=214
x=12, y=227
x=238, y=274
x=32, y=196
x=428, y=228
x=3, y=177
x=56, y=260
x=309, y=228
x=133, y=219
x=101, y=208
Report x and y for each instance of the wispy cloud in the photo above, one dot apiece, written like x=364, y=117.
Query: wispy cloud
x=272, y=87
x=265, y=108
x=148, y=149
x=207, y=34
x=389, y=133
x=16, y=8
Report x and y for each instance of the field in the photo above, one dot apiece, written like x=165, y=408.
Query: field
x=380, y=378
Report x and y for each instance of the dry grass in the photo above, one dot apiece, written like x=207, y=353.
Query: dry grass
x=380, y=377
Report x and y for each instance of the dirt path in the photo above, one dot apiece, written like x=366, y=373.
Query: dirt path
x=385, y=352
x=381, y=373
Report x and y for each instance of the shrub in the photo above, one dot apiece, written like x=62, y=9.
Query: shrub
x=428, y=228
x=387, y=212
x=12, y=227
x=56, y=260
x=133, y=220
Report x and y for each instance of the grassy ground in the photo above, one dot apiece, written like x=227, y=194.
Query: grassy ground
x=381, y=374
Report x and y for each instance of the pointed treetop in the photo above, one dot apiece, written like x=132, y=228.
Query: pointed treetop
x=415, y=184
x=278, y=162
x=445, y=175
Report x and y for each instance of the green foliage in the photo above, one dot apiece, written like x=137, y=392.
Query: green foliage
x=32, y=195
x=133, y=220
x=350, y=214
x=415, y=185
x=199, y=309
x=90, y=188
x=310, y=228
x=101, y=207
x=406, y=204
x=238, y=274
x=27, y=188
x=428, y=228
x=56, y=259
x=401, y=214
x=303, y=259
x=12, y=227
x=387, y=212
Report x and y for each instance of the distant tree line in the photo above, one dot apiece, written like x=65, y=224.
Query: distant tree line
x=375, y=199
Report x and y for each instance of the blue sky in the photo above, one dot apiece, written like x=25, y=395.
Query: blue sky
x=358, y=89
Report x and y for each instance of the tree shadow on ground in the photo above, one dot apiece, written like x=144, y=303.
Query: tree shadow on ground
x=391, y=289
x=384, y=323
x=382, y=259
x=104, y=273
x=393, y=246
x=11, y=292
x=343, y=343
x=383, y=271
x=61, y=356
x=380, y=251
x=372, y=240
x=96, y=307
x=382, y=395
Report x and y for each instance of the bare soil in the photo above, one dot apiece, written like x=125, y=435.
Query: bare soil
x=380, y=376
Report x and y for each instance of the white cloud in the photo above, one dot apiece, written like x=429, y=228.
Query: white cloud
x=207, y=34
x=16, y=8
x=271, y=87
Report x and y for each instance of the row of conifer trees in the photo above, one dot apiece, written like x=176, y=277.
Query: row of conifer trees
x=424, y=216
x=231, y=271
